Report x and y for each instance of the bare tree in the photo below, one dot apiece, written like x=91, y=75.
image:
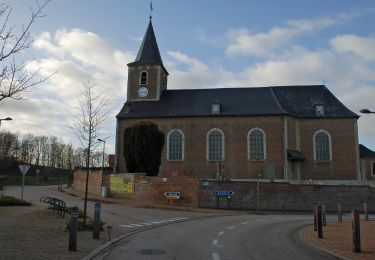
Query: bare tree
x=14, y=78
x=87, y=126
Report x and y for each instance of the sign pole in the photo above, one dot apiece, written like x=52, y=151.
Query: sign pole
x=23, y=169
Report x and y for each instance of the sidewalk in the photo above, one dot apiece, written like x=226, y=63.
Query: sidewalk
x=337, y=237
x=37, y=233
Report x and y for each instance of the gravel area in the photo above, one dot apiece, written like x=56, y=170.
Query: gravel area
x=37, y=233
x=337, y=237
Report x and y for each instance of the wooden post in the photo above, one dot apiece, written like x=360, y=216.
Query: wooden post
x=96, y=227
x=319, y=220
x=365, y=211
x=339, y=213
x=356, y=247
x=73, y=230
x=315, y=222
x=324, y=214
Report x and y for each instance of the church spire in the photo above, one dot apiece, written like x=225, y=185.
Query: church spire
x=149, y=51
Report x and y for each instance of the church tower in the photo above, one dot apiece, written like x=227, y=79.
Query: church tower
x=147, y=76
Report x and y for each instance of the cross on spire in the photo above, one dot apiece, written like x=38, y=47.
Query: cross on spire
x=151, y=9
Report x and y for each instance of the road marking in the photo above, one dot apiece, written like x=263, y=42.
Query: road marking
x=259, y=220
x=220, y=233
x=214, y=242
x=230, y=227
x=153, y=222
x=276, y=218
x=215, y=256
x=245, y=223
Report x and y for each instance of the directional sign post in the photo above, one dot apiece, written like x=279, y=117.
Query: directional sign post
x=223, y=193
x=24, y=169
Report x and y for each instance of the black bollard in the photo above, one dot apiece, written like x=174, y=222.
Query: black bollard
x=315, y=222
x=339, y=213
x=356, y=231
x=324, y=214
x=319, y=220
x=365, y=211
x=96, y=228
x=73, y=230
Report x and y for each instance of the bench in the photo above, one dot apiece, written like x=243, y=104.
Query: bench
x=56, y=204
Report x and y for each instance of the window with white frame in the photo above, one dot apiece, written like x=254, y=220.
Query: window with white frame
x=256, y=144
x=143, y=78
x=215, y=145
x=322, y=146
x=175, y=145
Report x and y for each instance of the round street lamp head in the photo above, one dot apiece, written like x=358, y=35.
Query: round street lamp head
x=365, y=111
x=8, y=118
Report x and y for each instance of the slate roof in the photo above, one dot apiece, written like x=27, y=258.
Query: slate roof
x=297, y=101
x=364, y=152
x=149, y=51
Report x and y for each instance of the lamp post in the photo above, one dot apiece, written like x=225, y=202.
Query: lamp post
x=366, y=111
x=103, y=189
x=5, y=119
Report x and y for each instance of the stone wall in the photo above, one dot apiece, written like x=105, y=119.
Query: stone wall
x=285, y=196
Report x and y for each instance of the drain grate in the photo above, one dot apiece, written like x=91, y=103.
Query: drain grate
x=151, y=252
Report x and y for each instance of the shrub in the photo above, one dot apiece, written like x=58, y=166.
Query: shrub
x=12, y=201
x=143, y=144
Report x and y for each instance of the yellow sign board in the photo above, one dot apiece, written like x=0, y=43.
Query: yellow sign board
x=122, y=184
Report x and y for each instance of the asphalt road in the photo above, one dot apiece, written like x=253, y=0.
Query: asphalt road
x=191, y=235
x=227, y=237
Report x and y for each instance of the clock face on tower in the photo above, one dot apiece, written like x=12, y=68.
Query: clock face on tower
x=142, y=92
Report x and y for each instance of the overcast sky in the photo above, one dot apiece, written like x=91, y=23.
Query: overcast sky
x=203, y=44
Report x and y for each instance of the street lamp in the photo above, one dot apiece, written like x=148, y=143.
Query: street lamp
x=366, y=111
x=5, y=119
x=102, y=187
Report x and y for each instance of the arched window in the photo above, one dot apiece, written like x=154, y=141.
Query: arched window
x=175, y=146
x=322, y=146
x=215, y=145
x=256, y=143
x=143, y=78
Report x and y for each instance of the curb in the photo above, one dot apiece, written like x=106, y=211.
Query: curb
x=300, y=236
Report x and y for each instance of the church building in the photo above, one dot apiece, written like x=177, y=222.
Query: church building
x=280, y=132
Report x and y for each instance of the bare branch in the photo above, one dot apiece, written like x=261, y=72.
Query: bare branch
x=14, y=77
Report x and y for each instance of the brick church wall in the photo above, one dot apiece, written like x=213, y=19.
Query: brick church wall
x=236, y=164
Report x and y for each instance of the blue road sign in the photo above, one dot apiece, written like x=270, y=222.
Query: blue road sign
x=172, y=194
x=224, y=193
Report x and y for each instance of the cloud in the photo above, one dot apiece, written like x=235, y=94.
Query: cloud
x=353, y=44
x=187, y=73
x=75, y=56
x=241, y=41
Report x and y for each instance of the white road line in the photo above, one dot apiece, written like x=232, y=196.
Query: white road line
x=215, y=256
x=128, y=226
x=245, y=223
x=230, y=227
x=220, y=233
x=153, y=222
x=214, y=242
x=259, y=220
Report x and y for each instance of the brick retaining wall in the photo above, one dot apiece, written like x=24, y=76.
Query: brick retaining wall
x=151, y=190
x=285, y=196
x=95, y=180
